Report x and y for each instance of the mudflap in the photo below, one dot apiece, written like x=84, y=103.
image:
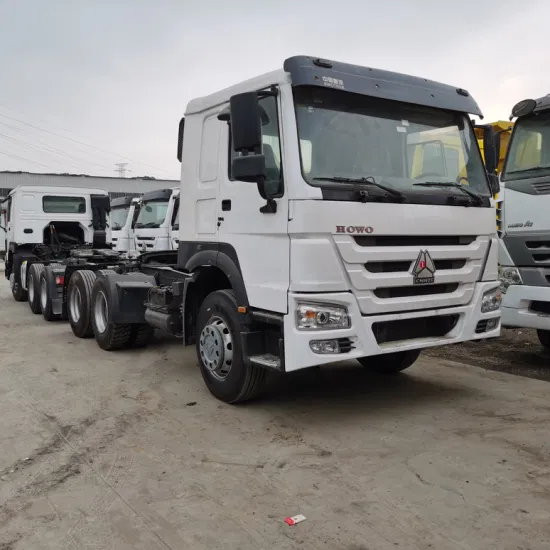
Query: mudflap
x=127, y=296
x=55, y=276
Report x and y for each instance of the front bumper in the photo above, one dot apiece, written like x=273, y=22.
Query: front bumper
x=298, y=354
x=517, y=304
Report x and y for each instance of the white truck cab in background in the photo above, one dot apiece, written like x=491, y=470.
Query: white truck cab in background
x=48, y=222
x=523, y=211
x=123, y=215
x=157, y=224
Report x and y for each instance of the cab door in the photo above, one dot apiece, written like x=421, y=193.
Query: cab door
x=258, y=241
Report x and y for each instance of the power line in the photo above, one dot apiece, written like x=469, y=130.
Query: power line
x=77, y=141
x=53, y=150
x=26, y=160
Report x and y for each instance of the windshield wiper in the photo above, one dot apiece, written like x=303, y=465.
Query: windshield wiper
x=149, y=225
x=366, y=181
x=475, y=196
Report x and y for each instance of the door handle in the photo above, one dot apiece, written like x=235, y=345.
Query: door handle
x=226, y=205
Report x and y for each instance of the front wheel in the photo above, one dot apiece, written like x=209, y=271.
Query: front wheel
x=219, y=351
x=390, y=363
x=544, y=338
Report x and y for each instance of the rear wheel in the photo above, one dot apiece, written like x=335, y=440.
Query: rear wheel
x=45, y=297
x=219, y=351
x=79, y=302
x=544, y=338
x=109, y=336
x=33, y=285
x=17, y=290
x=390, y=363
x=141, y=335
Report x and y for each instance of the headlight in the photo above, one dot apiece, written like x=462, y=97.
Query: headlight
x=491, y=301
x=321, y=317
x=508, y=276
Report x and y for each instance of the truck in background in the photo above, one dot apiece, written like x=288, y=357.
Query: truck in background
x=157, y=223
x=123, y=216
x=524, y=230
x=47, y=224
x=305, y=238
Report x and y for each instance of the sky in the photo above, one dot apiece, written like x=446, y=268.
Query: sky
x=87, y=84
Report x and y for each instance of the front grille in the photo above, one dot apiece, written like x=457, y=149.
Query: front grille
x=417, y=290
x=415, y=240
x=402, y=266
x=411, y=329
x=540, y=307
x=542, y=188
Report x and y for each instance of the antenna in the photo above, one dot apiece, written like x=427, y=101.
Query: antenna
x=121, y=169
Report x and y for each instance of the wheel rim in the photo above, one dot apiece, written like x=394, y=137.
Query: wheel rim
x=31, y=288
x=12, y=280
x=216, y=348
x=43, y=295
x=101, y=312
x=75, y=303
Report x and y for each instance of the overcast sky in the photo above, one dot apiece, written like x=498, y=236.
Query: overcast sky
x=85, y=84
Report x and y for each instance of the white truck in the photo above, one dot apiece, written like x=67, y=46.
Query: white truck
x=123, y=215
x=46, y=225
x=524, y=222
x=311, y=232
x=156, y=227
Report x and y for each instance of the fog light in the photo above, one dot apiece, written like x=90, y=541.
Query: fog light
x=492, y=324
x=491, y=301
x=324, y=346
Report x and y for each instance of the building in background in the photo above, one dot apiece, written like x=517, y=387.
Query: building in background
x=117, y=187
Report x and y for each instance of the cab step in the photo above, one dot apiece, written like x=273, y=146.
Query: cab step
x=266, y=360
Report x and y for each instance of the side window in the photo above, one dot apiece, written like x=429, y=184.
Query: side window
x=271, y=147
x=208, y=168
x=175, y=217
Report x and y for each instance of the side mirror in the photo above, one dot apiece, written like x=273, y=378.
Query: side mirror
x=246, y=122
x=250, y=168
x=494, y=184
x=490, y=151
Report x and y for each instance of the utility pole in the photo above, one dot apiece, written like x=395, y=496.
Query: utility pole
x=121, y=169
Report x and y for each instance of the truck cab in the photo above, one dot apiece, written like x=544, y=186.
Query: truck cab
x=123, y=215
x=319, y=225
x=44, y=222
x=156, y=224
x=524, y=247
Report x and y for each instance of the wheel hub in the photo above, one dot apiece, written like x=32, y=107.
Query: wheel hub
x=216, y=348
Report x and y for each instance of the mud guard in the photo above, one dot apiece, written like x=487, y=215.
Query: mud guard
x=127, y=296
x=55, y=290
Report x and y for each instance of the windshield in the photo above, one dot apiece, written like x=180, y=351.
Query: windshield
x=152, y=213
x=346, y=135
x=119, y=215
x=529, y=152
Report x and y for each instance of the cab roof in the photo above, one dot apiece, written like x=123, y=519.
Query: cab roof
x=311, y=71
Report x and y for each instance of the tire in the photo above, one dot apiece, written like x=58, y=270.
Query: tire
x=17, y=290
x=79, y=303
x=544, y=338
x=390, y=363
x=33, y=285
x=141, y=335
x=220, y=354
x=45, y=298
x=109, y=336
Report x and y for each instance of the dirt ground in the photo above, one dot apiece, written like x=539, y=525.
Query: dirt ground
x=517, y=351
x=128, y=450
